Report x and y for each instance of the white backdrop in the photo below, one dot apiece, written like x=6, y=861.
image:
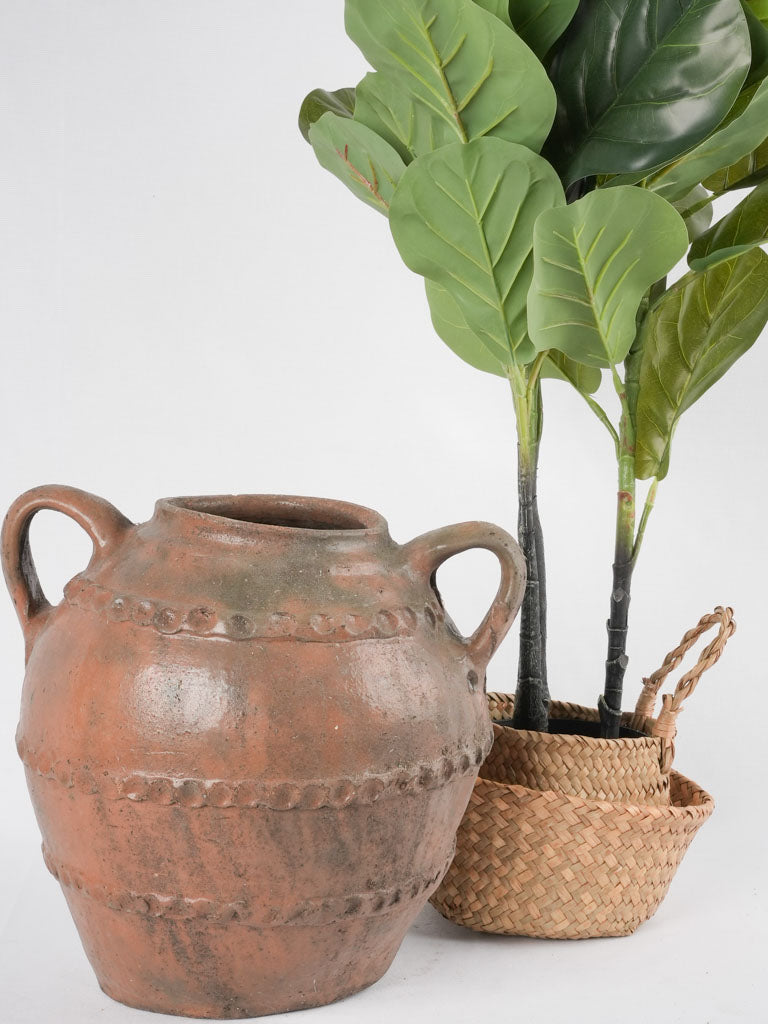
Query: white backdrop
x=190, y=305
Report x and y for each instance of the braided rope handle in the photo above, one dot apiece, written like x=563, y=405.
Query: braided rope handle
x=672, y=703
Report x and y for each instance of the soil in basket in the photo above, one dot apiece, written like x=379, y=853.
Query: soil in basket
x=577, y=727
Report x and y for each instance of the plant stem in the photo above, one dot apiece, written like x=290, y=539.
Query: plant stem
x=602, y=415
x=650, y=503
x=623, y=565
x=700, y=205
x=532, y=695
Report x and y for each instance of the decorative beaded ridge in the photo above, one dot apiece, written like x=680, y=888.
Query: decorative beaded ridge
x=207, y=621
x=310, y=912
x=147, y=787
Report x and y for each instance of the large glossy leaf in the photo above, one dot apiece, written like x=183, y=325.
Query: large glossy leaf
x=758, y=40
x=742, y=132
x=593, y=261
x=366, y=164
x=541, y=22
x=742, y=229
x=463, y=217
x=452, y=327
x=750, y=170
x=642, y=81
x=468, y=69
x=392, y=113
x=498, y=7
x=694, y=334
x=320, y=101
x=760, y=8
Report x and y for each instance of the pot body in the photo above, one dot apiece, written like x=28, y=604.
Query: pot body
x=250, y=732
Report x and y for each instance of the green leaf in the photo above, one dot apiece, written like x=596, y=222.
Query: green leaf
x=540, y=23
x=393, y=114
x=693, y=335
x=741, y=133
x=463, y=217
x=357, y=156
x=586, y=379
x=498, y=7
x=642, y=81
x=471, y=72
x=593, y=261
x=698, y=222
x=758, y=39
x=320, y=101
x=452, y=327
x=760, y=8
x=742, y=229
x=750, y=170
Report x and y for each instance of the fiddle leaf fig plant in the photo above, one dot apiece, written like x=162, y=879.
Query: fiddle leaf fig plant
x=742, y=131
x=593, y=262
x=739, y=231
x=545, y=166
x=367, y=164
x=540, y=23
x=447, y=223
x=618, y=72
x=461, y=65
x=691, y=337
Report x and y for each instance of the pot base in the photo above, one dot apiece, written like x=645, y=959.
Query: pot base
x=191, y=969
x=228, y=1011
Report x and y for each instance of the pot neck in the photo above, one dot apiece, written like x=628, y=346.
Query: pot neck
x=270, y=520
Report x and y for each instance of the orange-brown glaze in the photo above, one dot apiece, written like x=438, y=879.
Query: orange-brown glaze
x=250, y=732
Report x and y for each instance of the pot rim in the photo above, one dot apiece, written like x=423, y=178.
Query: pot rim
x=277, y=514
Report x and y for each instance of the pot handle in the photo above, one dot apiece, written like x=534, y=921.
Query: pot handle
x=100, y=520
x=427, y=553
x=665, y=726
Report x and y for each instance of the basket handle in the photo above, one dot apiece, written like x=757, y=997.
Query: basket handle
x=665, y=726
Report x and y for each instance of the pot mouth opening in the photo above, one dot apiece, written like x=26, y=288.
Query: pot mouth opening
x=279, y=512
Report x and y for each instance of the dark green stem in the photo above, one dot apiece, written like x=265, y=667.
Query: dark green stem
x=623, y=565
x=532, y=695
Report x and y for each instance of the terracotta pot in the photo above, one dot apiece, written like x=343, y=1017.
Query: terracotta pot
x=250, y=732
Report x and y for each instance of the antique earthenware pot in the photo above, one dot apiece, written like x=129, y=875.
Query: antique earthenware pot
x=250, y=732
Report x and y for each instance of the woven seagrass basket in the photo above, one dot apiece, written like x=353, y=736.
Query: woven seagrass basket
x=571, y=836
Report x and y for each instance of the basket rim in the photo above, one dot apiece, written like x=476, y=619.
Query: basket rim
x=571, y=740
x=656, y=812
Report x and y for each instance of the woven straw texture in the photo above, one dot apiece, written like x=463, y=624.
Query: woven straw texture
x=564, y=851
x=628, y=770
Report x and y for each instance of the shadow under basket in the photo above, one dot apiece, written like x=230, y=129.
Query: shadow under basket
x=571, y=836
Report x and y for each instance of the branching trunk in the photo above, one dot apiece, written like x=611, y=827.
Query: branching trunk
x=532, y=695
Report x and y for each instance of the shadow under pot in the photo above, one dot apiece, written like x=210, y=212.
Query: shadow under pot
x=250, y=731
